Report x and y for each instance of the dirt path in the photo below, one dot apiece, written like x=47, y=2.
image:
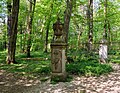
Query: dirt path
x=10, y=83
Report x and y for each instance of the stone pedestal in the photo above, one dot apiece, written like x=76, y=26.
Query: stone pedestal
x=103, y=55
x=58, y=61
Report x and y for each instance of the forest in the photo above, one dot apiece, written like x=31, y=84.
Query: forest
x=30, y=45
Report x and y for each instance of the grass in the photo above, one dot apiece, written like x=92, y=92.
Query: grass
x=87, y=64
x=114, y=56
x=2, y=56
x=88, y=68
x=115, y=59
x=27, y=67
x=39, y=65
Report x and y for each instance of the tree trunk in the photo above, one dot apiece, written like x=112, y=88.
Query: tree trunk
x=47, y=32
x=79, y=35
x=4, y=37
x=29, y=25
x=12, y=30
x=105, y=21
x=24, y=42
x=80, y=31
x=67, y=16
x=109, y=35
x=21, y=35
x=90, y=25
x=47, y=28
x=109, y=32
x=9, y=7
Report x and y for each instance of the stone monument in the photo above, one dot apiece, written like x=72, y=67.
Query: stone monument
x=58, y=58
x=103, y=54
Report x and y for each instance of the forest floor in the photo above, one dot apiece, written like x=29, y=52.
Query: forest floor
x=13, y=83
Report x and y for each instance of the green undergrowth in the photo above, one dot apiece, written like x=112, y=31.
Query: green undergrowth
x=88, y=68
x=116, y=60
x=87, y=64
x=114, y=56
x=34, y=55
x=84, y=65
x=27, y=67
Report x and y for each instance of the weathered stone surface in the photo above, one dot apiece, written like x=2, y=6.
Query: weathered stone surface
x=58, y=57
x=103, y=51
x=58, y=60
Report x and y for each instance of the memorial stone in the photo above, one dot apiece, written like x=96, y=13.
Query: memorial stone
x=103, y=51
x=58, y=58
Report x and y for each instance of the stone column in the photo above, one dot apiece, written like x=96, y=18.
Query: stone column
x=103, y=54
x=58, y=61
x=58, y=58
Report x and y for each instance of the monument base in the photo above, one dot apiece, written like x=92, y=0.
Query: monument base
x=59, y=77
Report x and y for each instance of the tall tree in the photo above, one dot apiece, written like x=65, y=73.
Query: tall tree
x=90, y=24
x=29, y=24
x=67, y=16
x=12, y=29
x=48, y=26
x=105, y=20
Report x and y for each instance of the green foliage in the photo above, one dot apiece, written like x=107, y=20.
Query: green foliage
x=78, y=23
x=28, y=68
x=88, y=68
x=37, y=66
x=2, y=56
x=43, y=70
x=112, y=52
x=114, y=56
x=82, y=55
x=86, y=63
